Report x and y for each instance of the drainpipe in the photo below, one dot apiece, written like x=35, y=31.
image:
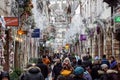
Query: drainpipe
x=98, y=36
x=91, y=42
x=112, y=24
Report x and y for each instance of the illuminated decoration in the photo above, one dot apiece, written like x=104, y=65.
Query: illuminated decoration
x=18, y=39
x=21, y=32
x=67, y=46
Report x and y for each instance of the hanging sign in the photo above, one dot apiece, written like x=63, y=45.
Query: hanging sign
x=11, y=21
x=82, y=37
x=36, y=33
x=117, y=19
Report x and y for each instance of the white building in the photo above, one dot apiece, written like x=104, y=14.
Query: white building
x=92, y=14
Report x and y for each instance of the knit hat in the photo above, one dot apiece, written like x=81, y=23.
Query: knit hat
x=78, y=70
x=103, y=66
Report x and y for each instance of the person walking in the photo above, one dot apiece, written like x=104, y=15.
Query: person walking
x=67, y=67
x=32, y=73
x=46, y=60
x=113, y=62
x=74, y=62
x=105, y=61
x=87, y=73
x=79, y=73
x=95, y=68
x=43, y=67
x=109, y=74
x=56, y=69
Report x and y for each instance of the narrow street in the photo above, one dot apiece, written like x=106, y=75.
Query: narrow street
x=81, y=38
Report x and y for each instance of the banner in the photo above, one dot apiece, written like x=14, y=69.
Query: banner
x=83, y=37
x=11, y=21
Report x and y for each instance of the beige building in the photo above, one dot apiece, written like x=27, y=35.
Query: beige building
x=5, y=11
x=96, y=23
x=101, y=37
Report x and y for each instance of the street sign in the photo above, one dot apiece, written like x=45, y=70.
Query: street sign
x=36, y=33
x=82, y=37
x=117, y=19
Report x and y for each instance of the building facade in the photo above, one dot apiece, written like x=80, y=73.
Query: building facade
x=97, y=22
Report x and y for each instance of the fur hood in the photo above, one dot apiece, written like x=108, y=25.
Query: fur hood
x=109, y=71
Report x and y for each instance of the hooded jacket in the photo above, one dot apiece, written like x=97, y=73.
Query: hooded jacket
x=108, y=75
x=56, y=70
x=44, y=68
x=4, y=74
x=33, y=73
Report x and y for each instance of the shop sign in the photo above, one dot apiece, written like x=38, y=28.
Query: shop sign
x=82, y=37
x=11, y=21
x=36, y=33
x=117, y=19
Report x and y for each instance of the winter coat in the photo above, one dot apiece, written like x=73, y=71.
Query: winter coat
x=78, y=78
x=44, y=69
x=33, y=73
x=87, y=61
x=87, y=75
x=105, y=61
x=95, y=69
x=109, y=75
x=46, y=61
x=56, y=70
x=74, y=64
x=4, y=74
x=113, y=64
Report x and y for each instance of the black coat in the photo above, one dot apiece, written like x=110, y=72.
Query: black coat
x=33, y=74
x=56, y=70
x=78, y=78
x=95, y=69
x=110, y=76
x=4, y=74
x=44, y=69
x=105, y=61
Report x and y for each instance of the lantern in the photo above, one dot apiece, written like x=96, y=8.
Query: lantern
x=21, y=32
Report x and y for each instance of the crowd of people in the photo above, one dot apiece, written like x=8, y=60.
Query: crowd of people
x=86, y=69
x=71, y=67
